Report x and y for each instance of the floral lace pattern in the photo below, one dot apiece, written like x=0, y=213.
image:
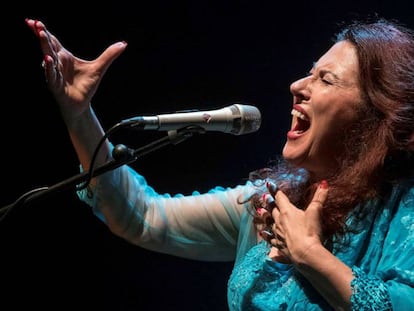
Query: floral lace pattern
x=380, y=255
x=259, y=283
x=369, y=293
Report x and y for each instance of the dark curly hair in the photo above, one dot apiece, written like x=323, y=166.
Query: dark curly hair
x=378, y=147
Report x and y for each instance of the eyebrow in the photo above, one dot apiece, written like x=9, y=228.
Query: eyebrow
x=324, y=71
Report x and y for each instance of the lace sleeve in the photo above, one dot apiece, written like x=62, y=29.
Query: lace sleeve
x=369, y=292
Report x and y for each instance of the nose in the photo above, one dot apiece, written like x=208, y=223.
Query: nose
x=299, y=88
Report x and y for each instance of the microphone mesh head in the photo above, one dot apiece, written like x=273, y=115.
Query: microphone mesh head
x=249, y=121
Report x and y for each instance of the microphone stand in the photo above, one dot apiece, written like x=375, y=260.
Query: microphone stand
x=121, y=155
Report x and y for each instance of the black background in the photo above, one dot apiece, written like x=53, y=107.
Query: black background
x=55, y=254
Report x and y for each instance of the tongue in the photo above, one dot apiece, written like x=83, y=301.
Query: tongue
x=301, y=126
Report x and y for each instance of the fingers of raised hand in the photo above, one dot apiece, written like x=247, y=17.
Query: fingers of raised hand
x=49, y=44
x=50, y=66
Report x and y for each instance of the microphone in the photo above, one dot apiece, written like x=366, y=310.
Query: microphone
x=236, y=119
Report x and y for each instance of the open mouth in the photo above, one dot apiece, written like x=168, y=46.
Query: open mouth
x=302, y=122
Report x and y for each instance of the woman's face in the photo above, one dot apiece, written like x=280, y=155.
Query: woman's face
x=324, y=104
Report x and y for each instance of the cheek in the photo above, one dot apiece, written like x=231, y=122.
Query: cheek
x=333, y=134
x=331, y=128
x=336, y=119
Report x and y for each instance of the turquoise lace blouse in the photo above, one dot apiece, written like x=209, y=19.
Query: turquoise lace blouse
x=214, y=226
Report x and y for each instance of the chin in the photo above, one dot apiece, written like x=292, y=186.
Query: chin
x=295, y=161
x=301, y=160
x=292, y=157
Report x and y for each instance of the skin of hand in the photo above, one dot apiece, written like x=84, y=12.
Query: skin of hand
x=274, y=253
x=298, y=230
x=298, y=237
x=73, y=81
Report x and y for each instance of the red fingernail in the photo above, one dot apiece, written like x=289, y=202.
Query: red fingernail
x=260, y=211
x=37, y=26
x=323, y=184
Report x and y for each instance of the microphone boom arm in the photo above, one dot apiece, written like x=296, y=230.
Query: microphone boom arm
x=121, y=155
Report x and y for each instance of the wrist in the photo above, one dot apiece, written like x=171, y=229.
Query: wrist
x=305, y=257
x=76, y=118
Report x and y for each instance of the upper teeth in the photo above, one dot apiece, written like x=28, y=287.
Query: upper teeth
x=298, y=114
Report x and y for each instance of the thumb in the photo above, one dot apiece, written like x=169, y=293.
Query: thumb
x=316, y=205
x=110, y=54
